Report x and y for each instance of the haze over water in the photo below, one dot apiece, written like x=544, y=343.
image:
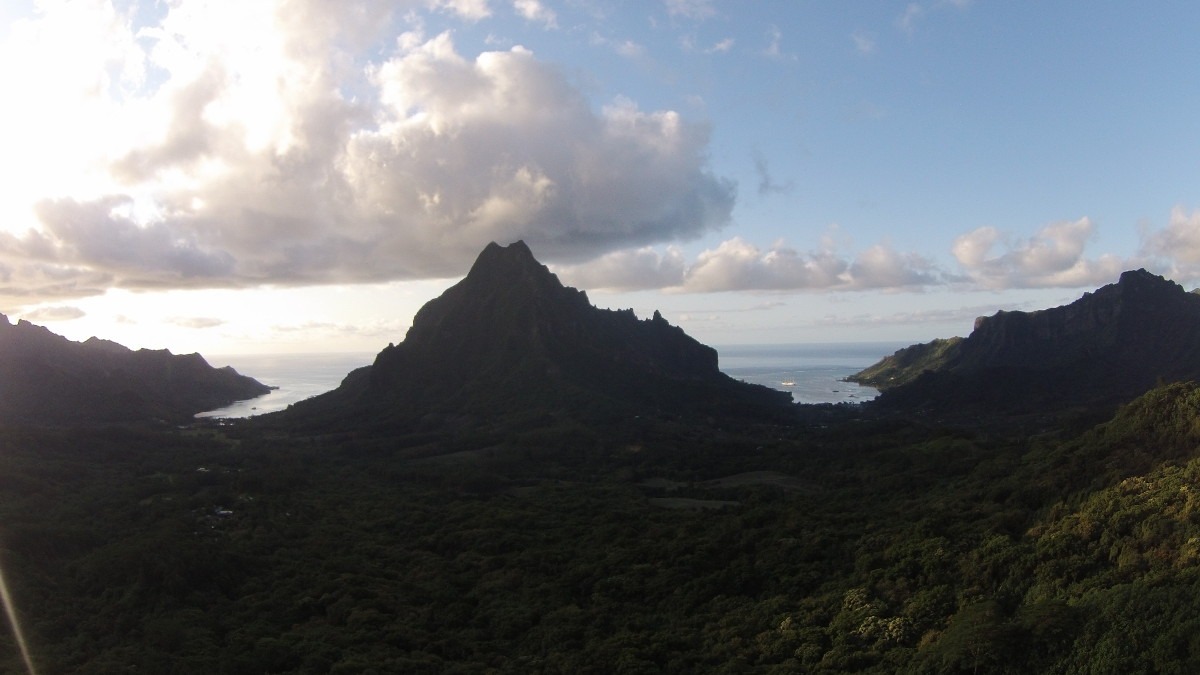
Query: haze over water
x=815, y=372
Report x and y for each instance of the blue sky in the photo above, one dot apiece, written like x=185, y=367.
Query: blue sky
x=303, y=175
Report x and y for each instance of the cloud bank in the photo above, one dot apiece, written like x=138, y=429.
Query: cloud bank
x=738, y=265
x=1055, y=256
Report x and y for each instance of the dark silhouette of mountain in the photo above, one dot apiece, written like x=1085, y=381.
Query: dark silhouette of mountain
x=1107, y=347
x=48, y=379
x=509, y=341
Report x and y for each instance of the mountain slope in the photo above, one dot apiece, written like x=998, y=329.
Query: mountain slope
x=1107, y=347
x=511, y=340
x=48, y=379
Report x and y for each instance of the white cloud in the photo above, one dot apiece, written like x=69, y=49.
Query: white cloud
x=924, y=317
x=628, y=270
x=473, y=10
x=1053, y=257
x=691, y=9
x=535, y=11
x=1177, y=245
x=53, y=313
x=629, y=49
x=273, y=145
x=864, y=43
x=908, y=20
x=738, y=265
x=914, y=12
x=196, y=322
x=774, y=49
x=721, y=47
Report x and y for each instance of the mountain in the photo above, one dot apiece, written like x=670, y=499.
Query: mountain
x=509, y=341
x=1107, y=347
x=48, y=379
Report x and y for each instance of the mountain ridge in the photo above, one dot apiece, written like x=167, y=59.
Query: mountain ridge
x=1106, y=347
x=511, y=339
x=47, y=379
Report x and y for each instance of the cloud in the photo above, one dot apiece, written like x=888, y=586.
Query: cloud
x=773, y=49
x=766, y=182
x=628, y=270
x=908, y=20
x=914, y=12
x=1053, y=257
x=629, y=49
x=299, y=144
x=963, y=315
x=473, y=10
x=379, y=328
x=56, y=313
x=1176, y=247
x=535, y=11
x=691, y=9
x=864, y=43
x=96, y=235
x=198, y=322
x=721, y=47
x=737, y=265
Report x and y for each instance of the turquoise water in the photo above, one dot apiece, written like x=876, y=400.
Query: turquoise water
x=812, y=373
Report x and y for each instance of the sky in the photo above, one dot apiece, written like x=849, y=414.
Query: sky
x=303, y=175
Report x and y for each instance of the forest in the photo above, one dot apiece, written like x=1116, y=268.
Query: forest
x=852, y=541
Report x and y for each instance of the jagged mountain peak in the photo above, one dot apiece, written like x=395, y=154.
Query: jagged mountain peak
x=509, y=338
x=506, y=290
x=510, y=267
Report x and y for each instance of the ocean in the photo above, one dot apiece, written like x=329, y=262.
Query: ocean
x=811, y=373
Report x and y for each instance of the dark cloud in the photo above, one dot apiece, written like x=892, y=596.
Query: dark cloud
x=766, y=182
x=94, y=236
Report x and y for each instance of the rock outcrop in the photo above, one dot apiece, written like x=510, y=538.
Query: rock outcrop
x=1107, y=347
x=510, y=340
x=48, y=379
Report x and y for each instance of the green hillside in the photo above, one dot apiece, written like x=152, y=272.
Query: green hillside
x=851, y=546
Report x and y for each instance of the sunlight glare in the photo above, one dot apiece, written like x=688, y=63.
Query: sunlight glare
x=11, y=610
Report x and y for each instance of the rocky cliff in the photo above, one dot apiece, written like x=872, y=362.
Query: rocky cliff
x=511, y=340
x=1106, y=347
x=48, y=379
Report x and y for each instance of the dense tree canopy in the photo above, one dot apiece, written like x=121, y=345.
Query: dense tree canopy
x=849, y=545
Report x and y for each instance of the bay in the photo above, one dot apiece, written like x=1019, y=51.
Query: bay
x=811, y=373
x=294, y=376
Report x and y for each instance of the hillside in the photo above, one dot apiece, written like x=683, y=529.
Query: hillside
x=510, y=343
x=1107, y=347
x=48, y=379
